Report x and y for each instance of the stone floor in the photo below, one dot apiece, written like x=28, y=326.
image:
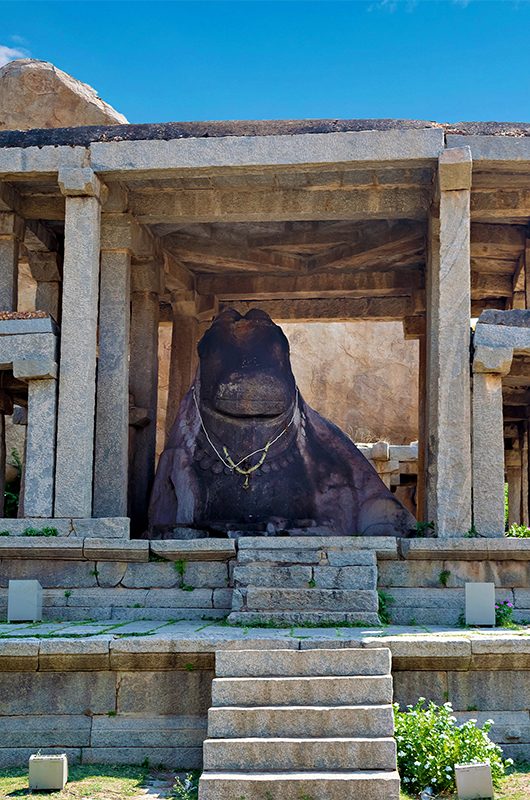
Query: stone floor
x=206, y=636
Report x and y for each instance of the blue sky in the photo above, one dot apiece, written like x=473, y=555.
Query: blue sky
x=160, y=61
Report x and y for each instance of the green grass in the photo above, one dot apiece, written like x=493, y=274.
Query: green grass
x=94, y=782
x=515, y=786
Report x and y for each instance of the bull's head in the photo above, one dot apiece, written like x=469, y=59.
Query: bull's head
x=245, y=371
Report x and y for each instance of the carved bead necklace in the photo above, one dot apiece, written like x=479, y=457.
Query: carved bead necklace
x=226, y=458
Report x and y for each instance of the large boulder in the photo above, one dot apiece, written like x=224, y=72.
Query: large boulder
x=35, y=94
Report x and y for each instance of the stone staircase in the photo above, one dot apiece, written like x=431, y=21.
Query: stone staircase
x=304, y=580
x=301, y=725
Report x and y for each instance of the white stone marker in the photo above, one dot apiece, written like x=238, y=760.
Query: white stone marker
x=480, y=604
x=48, y=772
x=24, y=601
x=473, y=781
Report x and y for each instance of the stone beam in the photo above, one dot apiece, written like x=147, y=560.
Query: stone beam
x=258, y=205
x=384, y=309
x=362, y=147
x=327, y=284
x=490, y=205
x=508, y=150
x=497, y=241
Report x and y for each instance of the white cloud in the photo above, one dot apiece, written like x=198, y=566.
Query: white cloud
x=10, y=54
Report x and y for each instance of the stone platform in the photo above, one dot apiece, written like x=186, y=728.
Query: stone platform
x=120, y=692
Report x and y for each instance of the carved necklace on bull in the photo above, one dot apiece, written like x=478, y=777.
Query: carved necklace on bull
x=226, y=458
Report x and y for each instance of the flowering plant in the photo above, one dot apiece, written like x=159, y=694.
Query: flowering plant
x=430, y=743
x=503, y=614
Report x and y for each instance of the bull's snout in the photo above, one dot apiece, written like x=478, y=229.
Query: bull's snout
x=258, y=395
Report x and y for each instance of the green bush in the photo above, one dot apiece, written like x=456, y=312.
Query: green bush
x=187, y=789
x=430, y=743
x=503, y=614
x=518, y=531
x=41, y=532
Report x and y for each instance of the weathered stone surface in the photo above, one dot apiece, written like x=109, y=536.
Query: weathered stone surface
x=468, y=549
x=18, y=655
x=362, y=721
x=288, y=618
x=314, y=691
x=146, y=576
x=290, y=663
x=274, y=576
x=148, y=731
x=291, y=786
x=495, y=652
x=410, y=685
x=271, y=557
x=50, y=574
x=164, y=692
x=35, y=94
x=180, y=758
x=311, y=600
x=509, y=726
x=62, y=655
x=488, y=455
x=37, y=547
x=19, y=756
x=65, y=692
x=49, y=730
x=114, y=550
x=194, y=550
x=222, y=598
x=16, y=527
x=345, y=577
x=352, y=558
x=504, y=574
x=282, y=755
x=384, y=546
x=106, y=597
x=425, y=616
x=410, y=574
x=110, y=573
x=412, y=652
x=492, y=690
x=103, y=528
x=179, y=598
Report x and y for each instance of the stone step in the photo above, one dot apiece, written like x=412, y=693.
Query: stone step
x=279, y=755
x=291, y=663
x=278, y=576
x=360, y=619
x=296, y=785
x=288, y=721
x=348, y=600
x=306, y=691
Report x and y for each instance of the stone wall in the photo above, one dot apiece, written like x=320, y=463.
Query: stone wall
x=124, y=700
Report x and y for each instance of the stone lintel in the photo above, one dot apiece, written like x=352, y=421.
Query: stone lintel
x=516, y=338
x=79, y=182
x=454, y=169
x=34, y=369
x=45, y=160
x=393, y=146
x=492, y=359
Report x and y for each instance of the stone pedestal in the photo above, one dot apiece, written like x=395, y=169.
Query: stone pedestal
x=77, y=382
x=448, y=479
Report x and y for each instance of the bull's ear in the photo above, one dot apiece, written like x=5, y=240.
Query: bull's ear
x=227, y=315
x=258, y=313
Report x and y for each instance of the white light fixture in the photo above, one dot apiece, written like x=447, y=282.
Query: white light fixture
x=48, y=772
x=480, y=604
x=473, y=781
x=24, y=601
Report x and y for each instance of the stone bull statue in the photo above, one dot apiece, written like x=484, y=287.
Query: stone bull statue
x=246, y=451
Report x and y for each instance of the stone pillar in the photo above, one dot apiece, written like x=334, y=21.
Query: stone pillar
x=489, y=365
x=11, y=234
x=183, y=361
x=524, y=475
x=77, y=380
x=39, y=469
x=513, y=479
x=143, y=386
x=448, y=473
x=111, y=461
x=45, y=269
